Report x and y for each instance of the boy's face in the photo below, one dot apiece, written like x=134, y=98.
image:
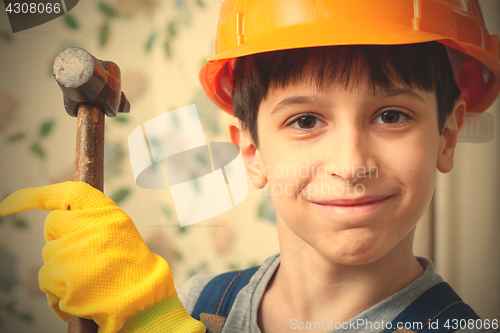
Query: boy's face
x=350, y=173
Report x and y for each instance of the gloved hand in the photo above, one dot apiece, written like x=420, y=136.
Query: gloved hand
x=97, y=265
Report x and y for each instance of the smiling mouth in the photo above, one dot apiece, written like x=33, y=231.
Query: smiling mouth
x=354, y=202
x=354, y=206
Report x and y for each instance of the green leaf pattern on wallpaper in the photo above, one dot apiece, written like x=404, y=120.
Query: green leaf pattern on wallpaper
x=266, y=210
x=129, y=9
x=9, y=282
x=34, y=138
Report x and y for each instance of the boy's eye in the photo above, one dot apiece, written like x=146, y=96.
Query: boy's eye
x=392, y=118
x=306, y=122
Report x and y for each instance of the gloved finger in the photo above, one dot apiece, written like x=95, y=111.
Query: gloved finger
x=66, y=294
x=51, y=282
x=89, y=223
x=64, y=196
x=54, y=305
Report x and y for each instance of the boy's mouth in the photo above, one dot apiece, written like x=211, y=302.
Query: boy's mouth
x=354, y=202
x=358, y=205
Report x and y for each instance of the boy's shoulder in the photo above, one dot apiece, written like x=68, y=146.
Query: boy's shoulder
x=190, y=291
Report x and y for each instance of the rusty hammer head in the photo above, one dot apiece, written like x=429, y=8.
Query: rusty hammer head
x=85, y=79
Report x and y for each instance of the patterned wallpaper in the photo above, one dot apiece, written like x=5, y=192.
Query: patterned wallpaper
x=159, y=46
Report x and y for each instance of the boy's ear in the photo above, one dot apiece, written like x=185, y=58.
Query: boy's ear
x=250, y=153
x=449, y=137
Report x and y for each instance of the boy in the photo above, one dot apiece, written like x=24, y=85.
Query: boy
x=369, y=122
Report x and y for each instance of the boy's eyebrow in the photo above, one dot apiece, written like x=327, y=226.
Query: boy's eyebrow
x=296, y=100
x=405, y=92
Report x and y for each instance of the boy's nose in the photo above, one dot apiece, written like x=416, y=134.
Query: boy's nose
x=350, y=157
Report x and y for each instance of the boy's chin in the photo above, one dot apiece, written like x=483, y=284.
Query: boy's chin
x=364, y=252
x=356, y=258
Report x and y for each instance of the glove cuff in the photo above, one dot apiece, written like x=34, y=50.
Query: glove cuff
x=168, y=315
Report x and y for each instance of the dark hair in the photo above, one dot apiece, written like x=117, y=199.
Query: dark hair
x=423, y=66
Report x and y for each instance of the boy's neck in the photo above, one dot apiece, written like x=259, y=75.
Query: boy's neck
x=339, y=289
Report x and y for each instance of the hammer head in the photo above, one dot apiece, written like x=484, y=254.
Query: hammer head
x=85, y=79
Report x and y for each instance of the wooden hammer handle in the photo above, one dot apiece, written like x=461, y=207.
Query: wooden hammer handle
x=89, y=168
x=80, y=325
x=89, y=157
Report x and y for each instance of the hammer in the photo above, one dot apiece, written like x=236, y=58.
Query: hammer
x=91, y=89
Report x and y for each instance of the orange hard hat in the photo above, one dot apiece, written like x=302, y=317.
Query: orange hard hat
x=254, y=26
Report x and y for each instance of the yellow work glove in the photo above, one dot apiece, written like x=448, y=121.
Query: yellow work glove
x=97, y=265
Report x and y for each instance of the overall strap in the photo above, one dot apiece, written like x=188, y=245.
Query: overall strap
x=217, y=298
x=439, y=310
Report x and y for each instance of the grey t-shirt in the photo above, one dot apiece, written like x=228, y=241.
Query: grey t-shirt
x=243, y=316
